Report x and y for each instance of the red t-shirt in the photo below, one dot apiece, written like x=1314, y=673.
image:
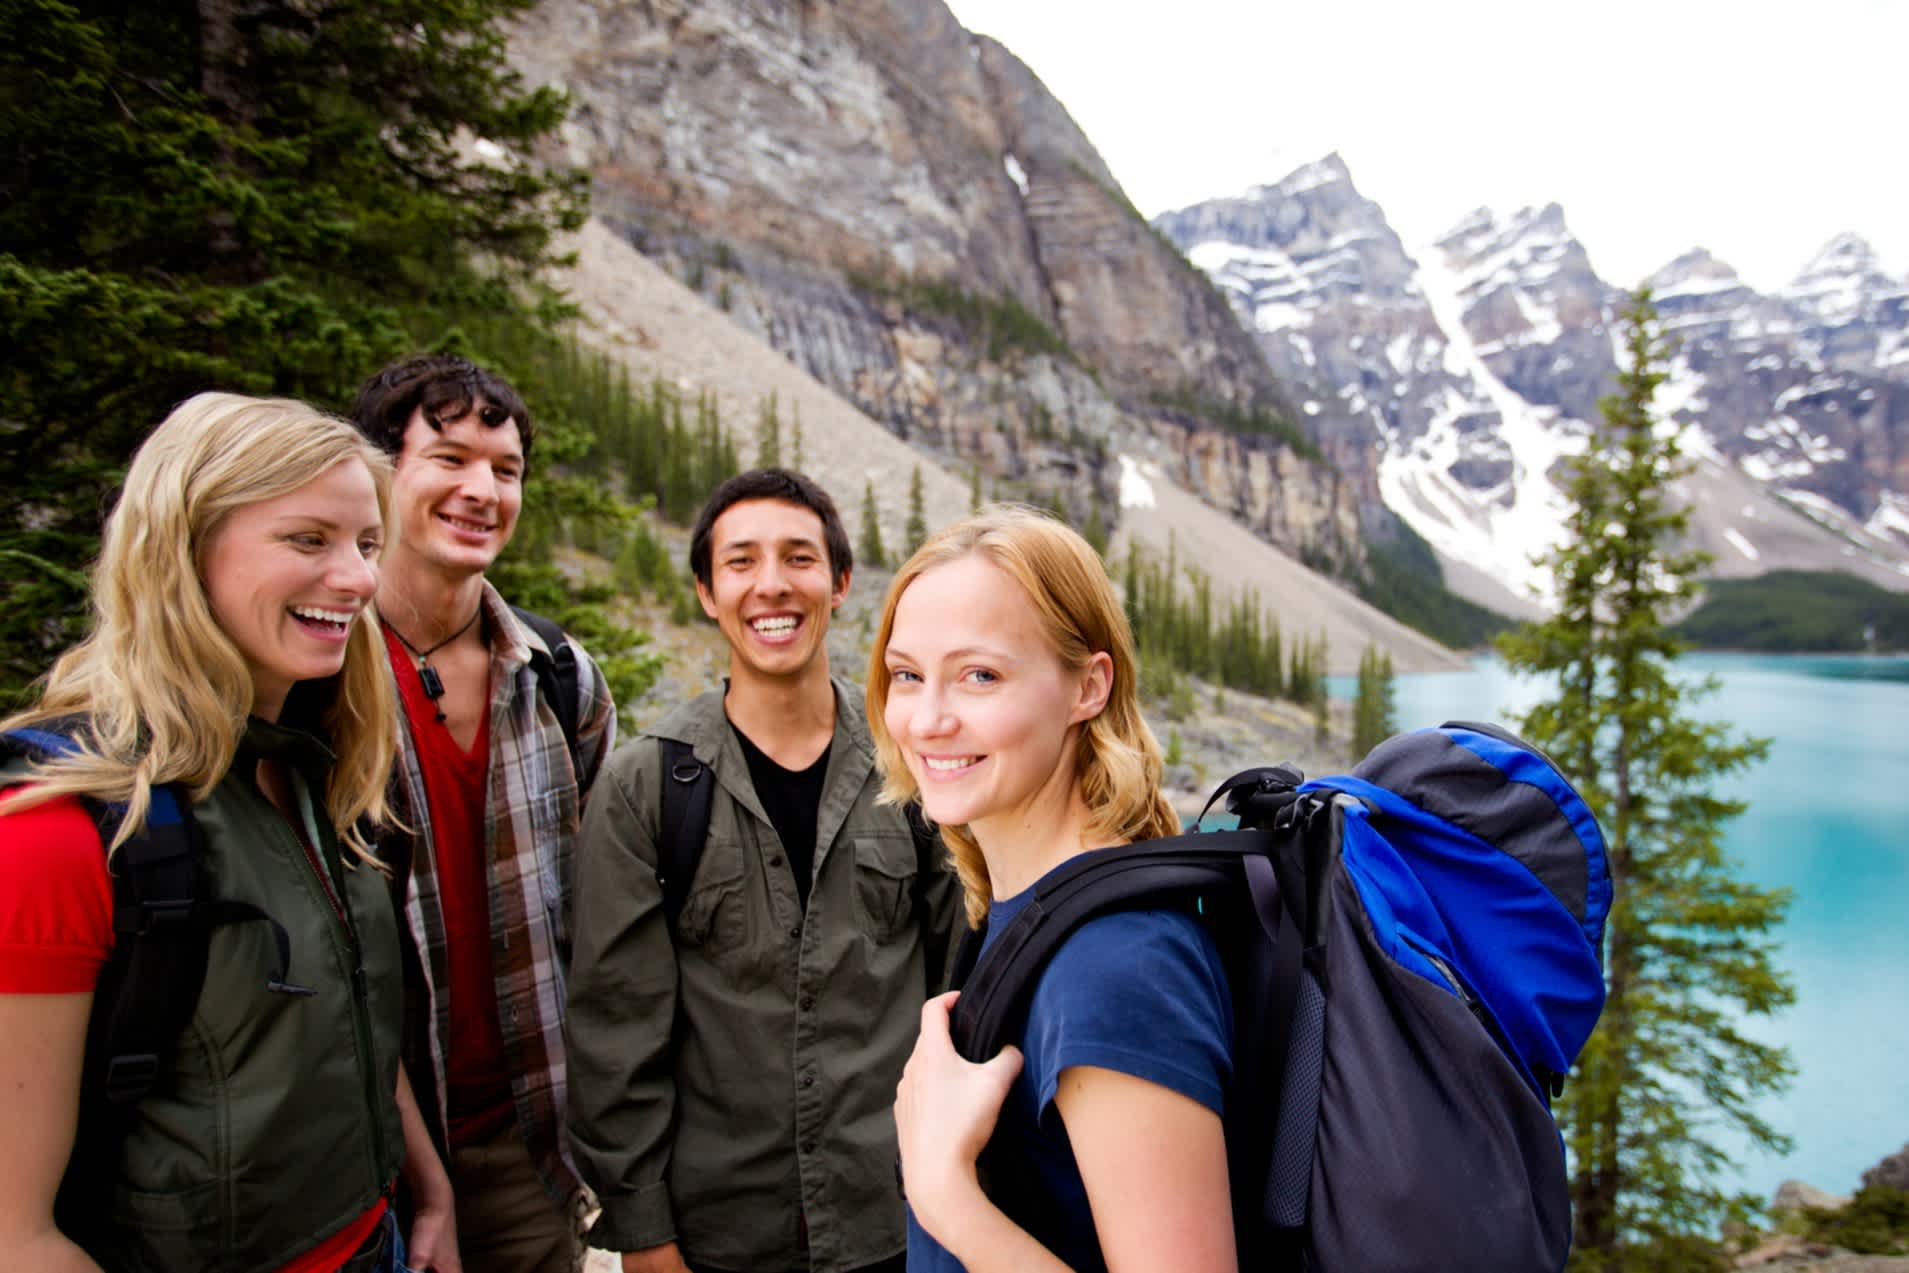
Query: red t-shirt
x=56, y=929
x=476, y=1080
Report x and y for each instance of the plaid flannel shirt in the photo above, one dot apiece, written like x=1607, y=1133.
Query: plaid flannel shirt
x=533, y=809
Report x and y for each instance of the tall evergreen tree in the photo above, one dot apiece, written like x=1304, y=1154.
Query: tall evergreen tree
x=1372, y=711
x=1095, y=531
x=1690, y=948
x=268, y=196
x=768, y=435
x=868, y=547
x=916, y=530
x=974, y=489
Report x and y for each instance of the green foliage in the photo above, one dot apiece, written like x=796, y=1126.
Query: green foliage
x=1000, y=324
x=1403, y=579
x=916, y=531
x=1875, y=1222
x=974, y=489
x=1095, y=531
x=1176, y=748
x=1256, y=419
x=868, y=545
x=1176, y=630
x=795, y=441
x=1374, y=707
x=768, y=436
x=258, y=200
x=1799, y=611
x=1690, y=949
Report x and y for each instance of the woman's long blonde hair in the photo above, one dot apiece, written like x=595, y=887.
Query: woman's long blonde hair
x=161, y=692
x=1117, y=759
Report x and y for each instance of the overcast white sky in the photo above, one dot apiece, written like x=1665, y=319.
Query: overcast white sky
x=1757, y=129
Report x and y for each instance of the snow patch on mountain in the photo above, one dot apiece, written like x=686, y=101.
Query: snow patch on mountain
x=1135, y=490
x=1891, y=520
x=1502, y=530
x=1741, y=544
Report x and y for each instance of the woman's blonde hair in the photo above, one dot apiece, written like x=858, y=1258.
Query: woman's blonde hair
x=160, y=692
x=1117, y=759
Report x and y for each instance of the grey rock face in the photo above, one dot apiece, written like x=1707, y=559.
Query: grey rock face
x=849, y=180
x=1794, y=1195
x=1313, y=269
x=1536, y=312
x=1795, y=388
x=1409, y=368
x=1891, y=1173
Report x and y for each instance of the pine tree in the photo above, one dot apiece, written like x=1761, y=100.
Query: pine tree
x=268, y=197
x=1373, y=716
x=768, y=435
x=1095, y=532
x=916, y=530
x=795, y=441
x=1690, y=948
x=868, y=549
x=974, y=489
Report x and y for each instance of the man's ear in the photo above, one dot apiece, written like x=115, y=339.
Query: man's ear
x=1096, y=686
x=840, y=592
x=707, y=598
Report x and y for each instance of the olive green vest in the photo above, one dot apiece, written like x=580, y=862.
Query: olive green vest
x=277, y=1124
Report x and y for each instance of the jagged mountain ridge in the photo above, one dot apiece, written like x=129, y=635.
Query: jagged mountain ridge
x=907, y=213
x=1477, y=364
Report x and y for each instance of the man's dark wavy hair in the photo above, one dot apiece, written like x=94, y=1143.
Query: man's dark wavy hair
x=447, y=388
x=787, y=486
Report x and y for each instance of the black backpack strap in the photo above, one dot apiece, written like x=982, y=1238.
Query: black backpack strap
x=689, y=790
x=557, y=677
x=162, y=926
x=995, y=993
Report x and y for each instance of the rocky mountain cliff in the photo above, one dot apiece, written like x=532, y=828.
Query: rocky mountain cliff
x=903, y=210
x=1478, y=363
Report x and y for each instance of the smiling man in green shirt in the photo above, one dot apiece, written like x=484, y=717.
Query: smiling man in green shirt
x=732, y=1071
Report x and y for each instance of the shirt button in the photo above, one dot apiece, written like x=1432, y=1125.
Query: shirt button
x=808, y=1002
x=795, y=934
x=808, y=1146
x=808, y=1080
x=776, y=860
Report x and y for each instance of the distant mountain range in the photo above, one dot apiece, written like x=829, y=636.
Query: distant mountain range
x=1473, y=365
x=904, y=212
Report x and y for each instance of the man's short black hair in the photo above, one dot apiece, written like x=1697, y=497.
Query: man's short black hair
x=447, y=388
x=787, y=486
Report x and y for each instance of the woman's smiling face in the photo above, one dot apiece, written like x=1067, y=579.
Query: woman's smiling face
x=979, y=701
x=287, y=577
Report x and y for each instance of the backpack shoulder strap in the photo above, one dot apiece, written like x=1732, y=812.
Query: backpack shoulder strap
x=689, y=789
x=557, y=678
x=995, y=992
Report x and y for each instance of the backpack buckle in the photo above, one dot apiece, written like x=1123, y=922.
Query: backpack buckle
x=130, y=1077
x=153, y=914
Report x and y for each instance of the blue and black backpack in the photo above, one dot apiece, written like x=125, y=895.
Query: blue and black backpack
x=1414, y=954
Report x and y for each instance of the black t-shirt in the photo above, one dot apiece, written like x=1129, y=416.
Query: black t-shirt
x=791, y=798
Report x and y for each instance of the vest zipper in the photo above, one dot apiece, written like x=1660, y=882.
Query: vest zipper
x=360, y=981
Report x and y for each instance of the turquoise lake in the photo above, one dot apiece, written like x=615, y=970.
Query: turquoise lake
x=1828, y=819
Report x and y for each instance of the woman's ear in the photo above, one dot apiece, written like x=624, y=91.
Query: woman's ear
x=1096, y=685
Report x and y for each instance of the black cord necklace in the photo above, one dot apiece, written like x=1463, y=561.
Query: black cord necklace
x=427, y=675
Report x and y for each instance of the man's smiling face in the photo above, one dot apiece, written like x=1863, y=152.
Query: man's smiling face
x=771, y=589
x=458, y=491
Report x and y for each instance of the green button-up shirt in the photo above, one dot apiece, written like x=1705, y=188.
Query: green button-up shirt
x=731, y=1089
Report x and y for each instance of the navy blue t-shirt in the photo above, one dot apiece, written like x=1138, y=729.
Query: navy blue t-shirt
x=1140, y=993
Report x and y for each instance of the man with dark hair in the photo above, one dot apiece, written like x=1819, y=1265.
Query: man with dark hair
x=755, y=935
x=506, y=721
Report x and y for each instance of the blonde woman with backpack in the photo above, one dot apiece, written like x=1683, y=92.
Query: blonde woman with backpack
x=1003, y=694
x=232, y=662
